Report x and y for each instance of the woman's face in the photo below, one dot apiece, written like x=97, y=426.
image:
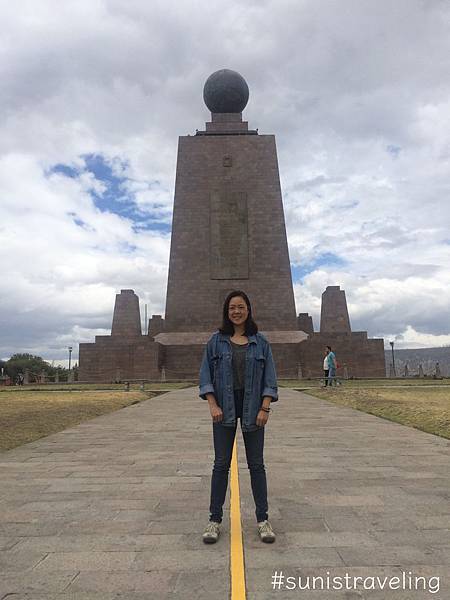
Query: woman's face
x=237, y=310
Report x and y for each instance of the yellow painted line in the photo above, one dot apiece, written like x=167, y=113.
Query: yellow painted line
x=236, y=547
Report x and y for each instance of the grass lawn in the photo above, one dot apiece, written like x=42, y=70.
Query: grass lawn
x=306, y=384
x=423, y=407
x=26, y=416
x=97, y=386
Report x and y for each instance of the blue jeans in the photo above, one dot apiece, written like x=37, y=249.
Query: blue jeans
x=331, y=376
x=223, y=449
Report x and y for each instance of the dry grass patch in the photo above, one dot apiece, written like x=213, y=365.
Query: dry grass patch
x=425, y=408
x=65, y=387
x=366, y=383
x=27, y=416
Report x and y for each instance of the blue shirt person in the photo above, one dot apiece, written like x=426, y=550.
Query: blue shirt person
x=332, y=365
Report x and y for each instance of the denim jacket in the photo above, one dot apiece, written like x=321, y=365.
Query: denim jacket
x=216, y=377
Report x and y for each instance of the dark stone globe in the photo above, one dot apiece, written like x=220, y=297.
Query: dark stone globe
x=225, y=91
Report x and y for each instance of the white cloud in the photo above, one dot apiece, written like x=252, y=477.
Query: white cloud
x=411, y=338
x=356, y=92
x=60, y=279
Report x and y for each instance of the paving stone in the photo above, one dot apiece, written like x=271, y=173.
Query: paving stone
x=16, y=560
x=36, y=528
x=415, y=537
x=121, y=582
x=187, y=526
x=34, y=583
x=330, y=539
x=205, y=558
x=441, y=552
x=391, y=555
x=108, y=542
x=6, y=543
x=373, y=523
x=89, y=561
x=32, y=596
x=440, y=521
x=102, y=527
x=270, y=556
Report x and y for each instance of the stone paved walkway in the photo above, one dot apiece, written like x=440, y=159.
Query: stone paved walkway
x=114, y=508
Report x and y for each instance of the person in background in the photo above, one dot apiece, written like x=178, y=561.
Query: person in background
x=325, y=368
x=332, y=366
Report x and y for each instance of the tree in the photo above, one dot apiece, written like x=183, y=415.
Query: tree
x=35, y=365
x=19, y=362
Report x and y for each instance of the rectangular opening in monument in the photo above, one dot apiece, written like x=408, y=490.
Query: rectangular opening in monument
x=228, y=235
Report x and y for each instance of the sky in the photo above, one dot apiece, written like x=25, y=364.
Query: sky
x=93, y=97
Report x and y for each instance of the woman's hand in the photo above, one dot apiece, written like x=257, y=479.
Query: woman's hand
x=214, y=408
x=216, y=413
x=262, y=418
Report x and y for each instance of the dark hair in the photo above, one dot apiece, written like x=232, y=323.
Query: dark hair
x=251, y=328
x=329, y=348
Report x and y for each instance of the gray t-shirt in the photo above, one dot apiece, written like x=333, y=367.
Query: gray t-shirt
x=239, y=352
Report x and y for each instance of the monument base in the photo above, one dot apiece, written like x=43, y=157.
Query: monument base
x=114, y=360
x=172, y=356
x=176, y=355
x=357, y=356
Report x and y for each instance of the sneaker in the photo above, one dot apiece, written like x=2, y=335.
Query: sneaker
x=212, y=532
x=266, y=532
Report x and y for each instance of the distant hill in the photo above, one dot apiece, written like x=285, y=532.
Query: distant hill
x=427, y=357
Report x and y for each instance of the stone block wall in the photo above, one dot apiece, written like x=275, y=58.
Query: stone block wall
x=109, y=359
x=361, y=356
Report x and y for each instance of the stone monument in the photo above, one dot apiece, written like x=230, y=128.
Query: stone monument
x=334, y=313
x=228, y=232
x=126, y=353
x=228, y=229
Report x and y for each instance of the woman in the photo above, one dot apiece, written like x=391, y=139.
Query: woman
x=238, y=379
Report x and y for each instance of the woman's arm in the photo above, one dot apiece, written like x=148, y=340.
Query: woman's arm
x=205, y=379
x=270, y=386
x=206, y=385
x=266, y=401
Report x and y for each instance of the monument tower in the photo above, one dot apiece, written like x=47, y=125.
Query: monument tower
x=228, y=232
x=228, y=228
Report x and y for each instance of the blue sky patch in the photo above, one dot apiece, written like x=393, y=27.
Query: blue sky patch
x=115, y=198
x=146, y=224
x=65, y=170
x=328, y=259
x=393, y=150
x=79, y=222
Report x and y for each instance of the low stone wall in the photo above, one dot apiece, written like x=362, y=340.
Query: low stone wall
x=112, y=359
x=360, y=356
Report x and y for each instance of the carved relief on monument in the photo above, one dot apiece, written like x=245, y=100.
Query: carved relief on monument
x=229, y=256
